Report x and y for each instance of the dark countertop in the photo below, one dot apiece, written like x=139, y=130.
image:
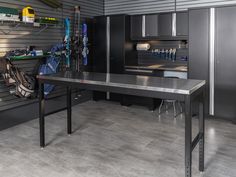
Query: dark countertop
x=163, y=67
x=144, y=83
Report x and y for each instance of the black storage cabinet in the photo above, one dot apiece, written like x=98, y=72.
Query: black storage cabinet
x=100, y=45
x=199, y=48
x=224, y=61
x=120, y=47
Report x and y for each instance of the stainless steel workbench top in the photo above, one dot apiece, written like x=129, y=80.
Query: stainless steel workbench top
x=167, y=85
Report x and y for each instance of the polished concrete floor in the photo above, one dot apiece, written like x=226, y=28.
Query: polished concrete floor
x=114, y=141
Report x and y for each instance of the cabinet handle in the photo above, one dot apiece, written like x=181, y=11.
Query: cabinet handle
x=143, y=26
x=108, y=25
x=212, y=62
x=173, y=24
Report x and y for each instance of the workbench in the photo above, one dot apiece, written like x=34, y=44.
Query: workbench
x=184, y=90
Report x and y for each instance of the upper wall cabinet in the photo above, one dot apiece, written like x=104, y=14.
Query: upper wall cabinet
x=136, y=26
x=160, y=26
x=182, y=23
x=144, y=26
x=151, y=25
x=165, y=24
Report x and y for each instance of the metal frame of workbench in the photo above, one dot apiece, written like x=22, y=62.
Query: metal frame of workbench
x=197, y=95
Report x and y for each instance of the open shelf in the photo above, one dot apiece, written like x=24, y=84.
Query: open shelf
x=16, y=24
x=35, y=24
x=17, y=58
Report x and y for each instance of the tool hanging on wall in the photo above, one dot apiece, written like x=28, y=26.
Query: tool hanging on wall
x=47, y=20
x=23, y=84
x=76, y=38
x=52, y=3
x=85, y=50
x=67, y=42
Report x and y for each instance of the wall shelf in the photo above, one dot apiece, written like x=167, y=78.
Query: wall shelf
x=17, y=58
x=16, y=24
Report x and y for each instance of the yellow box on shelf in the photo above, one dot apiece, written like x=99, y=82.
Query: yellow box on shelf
x=28, y=14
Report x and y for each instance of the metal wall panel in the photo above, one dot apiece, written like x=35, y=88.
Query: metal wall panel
x=155, y=6
x=138, y=6
x=185, y=4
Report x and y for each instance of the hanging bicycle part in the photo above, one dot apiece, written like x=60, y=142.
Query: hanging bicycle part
x=85, y=50
x=67, y=42
x=76, y=38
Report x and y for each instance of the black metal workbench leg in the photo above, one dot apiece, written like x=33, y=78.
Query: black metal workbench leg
x=41, y=115
x=69, y=129
x=201, y=131
x=188, y=137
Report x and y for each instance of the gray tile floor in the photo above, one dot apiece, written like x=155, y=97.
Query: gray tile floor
x=114, y=141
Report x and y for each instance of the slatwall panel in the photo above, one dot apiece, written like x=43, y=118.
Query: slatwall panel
x=26, y=35
x=185, y=4
x=155, y=6
x=137, y=6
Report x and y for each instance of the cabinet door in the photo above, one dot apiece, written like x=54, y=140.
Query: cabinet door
x=100, y=50
x=225, y=63
x=136, y=27
x=99, y=38
x=182, y=23
x=117, y=44
x=199, y=48
x=151, y=25
x=165, y=24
